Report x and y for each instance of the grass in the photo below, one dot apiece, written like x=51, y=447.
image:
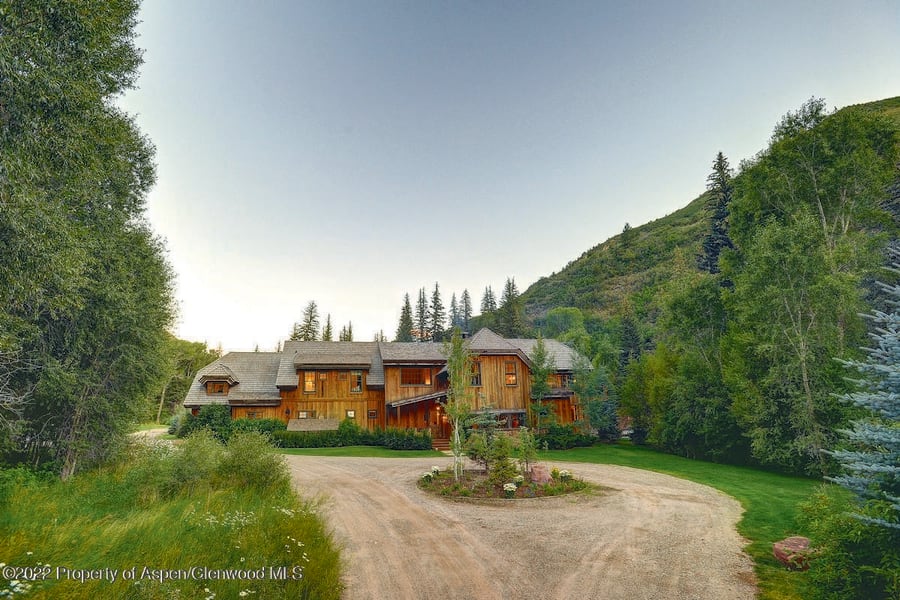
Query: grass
x=770, y=502
x=138, y=514
x=362, y=451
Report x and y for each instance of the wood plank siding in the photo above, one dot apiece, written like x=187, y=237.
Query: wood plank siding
x=495, y=391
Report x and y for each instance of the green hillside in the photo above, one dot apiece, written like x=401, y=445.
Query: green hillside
x=630, y=266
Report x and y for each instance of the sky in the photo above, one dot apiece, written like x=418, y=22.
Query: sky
x=349, y=152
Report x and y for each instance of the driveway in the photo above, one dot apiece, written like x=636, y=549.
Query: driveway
x=643, y=536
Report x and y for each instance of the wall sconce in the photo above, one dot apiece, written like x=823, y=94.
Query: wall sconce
x=287, y=411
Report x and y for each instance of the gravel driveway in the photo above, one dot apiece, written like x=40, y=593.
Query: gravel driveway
x=644, y=536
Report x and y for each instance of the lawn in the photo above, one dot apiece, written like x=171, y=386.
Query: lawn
x=362, y=451
x=770, y=502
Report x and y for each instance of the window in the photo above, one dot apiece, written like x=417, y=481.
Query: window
x=566, y=380
x=476, y=374
x=355, y=382
x=252, y=415
x=509, y=369
x=216, y=388
x=309, y=382
x=373, y=414
x=342, y=376
x=306, y=414
x=351, y=414
x=410, y=376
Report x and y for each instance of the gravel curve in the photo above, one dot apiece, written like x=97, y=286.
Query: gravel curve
x=644, y=535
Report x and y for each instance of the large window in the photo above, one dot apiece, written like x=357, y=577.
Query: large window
x=509, y=368
x=309, y=382
x=566, y=380
x=476, y=373
x=355, y=382
x=415, y=376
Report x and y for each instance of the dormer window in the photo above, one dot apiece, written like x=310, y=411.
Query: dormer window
x=216, y=388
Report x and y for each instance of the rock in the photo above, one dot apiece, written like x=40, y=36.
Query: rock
x=793, y=552
x=540, y=474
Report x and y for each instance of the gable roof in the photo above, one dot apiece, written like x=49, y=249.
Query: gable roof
x=253, y=373
x=561, y=356
x=412, y=352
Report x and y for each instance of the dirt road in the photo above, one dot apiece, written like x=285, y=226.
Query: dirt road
x=647, y=536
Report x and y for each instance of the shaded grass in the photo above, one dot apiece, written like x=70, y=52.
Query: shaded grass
x=362, y=451
x=770, y=502
x=129, y=515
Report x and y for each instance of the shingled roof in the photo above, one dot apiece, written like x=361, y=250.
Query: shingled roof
x=253, y=373
x=411, y=353
x=561, y=356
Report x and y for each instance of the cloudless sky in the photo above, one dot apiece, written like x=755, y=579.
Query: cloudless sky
x=349, y=152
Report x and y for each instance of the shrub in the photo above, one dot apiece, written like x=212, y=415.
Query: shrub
x=250, y=461
x=216, y=418
x=855, y=559
x=267, y=426
x=197, y=461
x=563, y=437
x=351, y=434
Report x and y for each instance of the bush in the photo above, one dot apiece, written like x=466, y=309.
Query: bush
x=855, y=559
x=351, y=434
x=267, y=426
x=216, y=418
x=197, y=462
x=250, y=461
x=563, y=437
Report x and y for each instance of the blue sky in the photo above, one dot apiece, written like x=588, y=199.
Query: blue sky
x=350, y=152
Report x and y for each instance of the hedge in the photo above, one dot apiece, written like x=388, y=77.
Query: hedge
x=351, y=434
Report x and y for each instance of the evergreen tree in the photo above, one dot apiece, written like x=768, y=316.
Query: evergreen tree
x=327, y=332
x=405, y=328
x=422, y=334
x=720, y=193
x=454, y=312
x=465, y=311
x=309, y=328
x=488, y=301
x=872, y=466
x=632, y=344
x=510, y=314
x=346, y=334
x=436, y=316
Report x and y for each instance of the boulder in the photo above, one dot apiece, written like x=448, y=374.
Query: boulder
x=793, y=552
x=540, y=474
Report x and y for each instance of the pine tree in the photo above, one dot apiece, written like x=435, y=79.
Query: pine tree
x=327, y=332
x=720, y=187
x=437, y=318
x=541, y=368
x=632, y=344
x=422, y=333
x=465, y=311
x=872, y=468
x=296, y=332
x=511, y=320
x=309, y=328
x=405, y=328
x=346, y=334
x=454, y=312
x=488, y=301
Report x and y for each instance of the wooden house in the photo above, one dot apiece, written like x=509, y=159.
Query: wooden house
x=316, y=385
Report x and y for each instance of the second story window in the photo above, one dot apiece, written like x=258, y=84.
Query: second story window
x=510, y=375
x=309, y=382
x=216, y=388
x=476, y=374
x=356, y=382
x=414, y=376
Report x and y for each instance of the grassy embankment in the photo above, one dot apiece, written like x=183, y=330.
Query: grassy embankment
x=770, y=502
x=186, y=514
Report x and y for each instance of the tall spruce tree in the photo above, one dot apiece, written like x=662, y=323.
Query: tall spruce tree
x=454, y=312
x=510, y=315
x=422, y=334
x=346, y=334
x=405, y=327
x=328, y=330
x=488, y=301
x=437, y=317
x=872, y=466
x=465, y=311
x=720, y=191
x=309, y=327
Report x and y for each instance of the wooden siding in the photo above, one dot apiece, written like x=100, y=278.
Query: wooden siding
x=493, y=391
x=393, y=390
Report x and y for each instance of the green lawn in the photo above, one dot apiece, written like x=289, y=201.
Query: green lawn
x=769, y=499
x=363, y=451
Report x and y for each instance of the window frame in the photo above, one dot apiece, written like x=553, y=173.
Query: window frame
x=309, y=377
x=475, y=376
x=356, y=381
x=510, y=378
x=425, y=378
x=216, y=388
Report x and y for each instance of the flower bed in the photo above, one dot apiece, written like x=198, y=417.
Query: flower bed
x=475, y=484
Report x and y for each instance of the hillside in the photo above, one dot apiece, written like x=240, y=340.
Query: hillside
x=602, y=279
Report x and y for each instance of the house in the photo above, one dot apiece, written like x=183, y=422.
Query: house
x=316, y=385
